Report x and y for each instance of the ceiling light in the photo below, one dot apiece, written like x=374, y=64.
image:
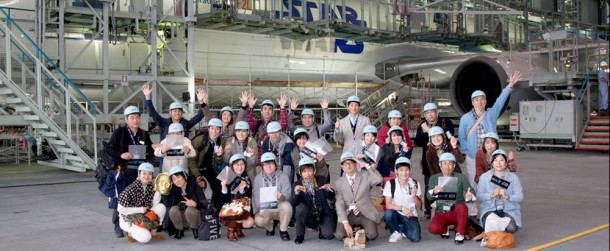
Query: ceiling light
x=440, y=71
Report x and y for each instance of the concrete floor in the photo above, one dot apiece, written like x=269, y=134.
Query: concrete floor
x=43, y=208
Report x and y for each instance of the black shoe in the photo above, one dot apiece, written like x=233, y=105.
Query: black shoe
x=179, y=234
x=320, y=236
x=299, y=239
x=118, y=232
x=291, y=224
x=196, y=233
x=271, y=233
x=284, y=235
x=427, y=215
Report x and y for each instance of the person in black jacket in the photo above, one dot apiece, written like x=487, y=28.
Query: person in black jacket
x=236, y=187
x=312, y=199
x=431, y=119
x=129, y=159
x=184, y=201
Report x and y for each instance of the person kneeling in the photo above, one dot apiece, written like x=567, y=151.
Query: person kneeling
x=310, y=200
x=449, y=189
x=354, y=206
x=402, y=200
x=140, y=210
x=185, y=199
x=278, y=209
x=236, y=188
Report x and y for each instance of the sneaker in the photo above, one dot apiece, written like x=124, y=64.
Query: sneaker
x=395, y=237
x=459, y=238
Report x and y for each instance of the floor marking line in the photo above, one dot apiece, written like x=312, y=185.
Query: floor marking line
x=553, y=243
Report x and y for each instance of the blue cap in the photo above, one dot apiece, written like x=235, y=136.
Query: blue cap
x=242, y=125
x=446, y=156
x=176, y=169
x=226, y=108
x=215, y=122
x=307, y=112
x=347, y=155
x=237, y=156
x=146, y=167
x=353, y=99
x=176, y=105
x=492, y=135
x=268, y=156
x=306, y=161
x=395, y=128
x=499, y=151
x=131, y=110
x=430, y=106
x=369, y=129
x=175, y=127
x=274, y=126
x=435, y=130
x=267, y=102
x=402, y=160
x=477, y=93
x=394, y=114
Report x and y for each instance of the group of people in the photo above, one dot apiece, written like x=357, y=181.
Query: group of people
x=242, y=156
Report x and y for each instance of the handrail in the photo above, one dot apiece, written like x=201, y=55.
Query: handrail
x=584, y=83
x=41, y=52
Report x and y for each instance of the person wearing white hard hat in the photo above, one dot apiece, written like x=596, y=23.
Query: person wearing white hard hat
x=236, y=184
x=258, y=127
x=353, y=199
x=479, y=121
x=176, y=112
x=175, y=148
x=229, y=120
x=281, y=145
x=209, y=160
x=394, y=119
x=242, y=143
x=308, y=122
x=299, y=151
x=450, y=205
x=396, y=148
x=602, y=85
x=129, y=146
x=501, y=194
x=402, y=199
x=348, y=130
x=310, y=201
x=439, y=145
x=266, y=214
x=484, y=163
x=184, y=201
x=431, y=118
x=140, y=208
x=371, y=152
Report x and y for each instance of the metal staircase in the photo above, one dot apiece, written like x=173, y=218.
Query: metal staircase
x=596, y=135
x=44, y=98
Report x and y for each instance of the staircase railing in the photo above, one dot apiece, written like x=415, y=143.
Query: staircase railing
x=49, y=89
x=582, y=110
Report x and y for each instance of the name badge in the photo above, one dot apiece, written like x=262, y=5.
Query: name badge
x=141, y=142
x=351, y=207
x=446, y=208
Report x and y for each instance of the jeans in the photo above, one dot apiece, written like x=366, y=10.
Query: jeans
x=409, y=226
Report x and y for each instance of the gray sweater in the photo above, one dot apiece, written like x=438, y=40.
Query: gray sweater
x=282, y=183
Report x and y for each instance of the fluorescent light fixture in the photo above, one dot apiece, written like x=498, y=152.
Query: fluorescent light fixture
x=440, y=71
x=302, y=62
x=7, y=2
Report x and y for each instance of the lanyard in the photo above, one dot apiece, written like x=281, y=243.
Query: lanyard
x=354, y=124
x=132, y=137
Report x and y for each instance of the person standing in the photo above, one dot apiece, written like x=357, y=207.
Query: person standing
x=348, y=130
x=602, y=78
x=308, y=122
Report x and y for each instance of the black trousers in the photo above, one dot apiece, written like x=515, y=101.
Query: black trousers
x=304, y=218
x=427, y=202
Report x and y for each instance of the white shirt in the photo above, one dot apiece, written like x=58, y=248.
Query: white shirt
x=402, y=197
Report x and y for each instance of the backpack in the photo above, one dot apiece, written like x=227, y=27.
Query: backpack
x=209, y=224
x=393, y=185
x=105, y=163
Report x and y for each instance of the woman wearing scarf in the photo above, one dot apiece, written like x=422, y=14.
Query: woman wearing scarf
x=301, y=136
x=437, y=146
x=397, y=147
x=140, y=210
x=491, y=142
x=238, y=187
x=242, y=144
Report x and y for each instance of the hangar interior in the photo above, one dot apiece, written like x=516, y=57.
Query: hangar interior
x=68, y=68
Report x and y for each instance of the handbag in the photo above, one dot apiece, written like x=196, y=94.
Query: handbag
x=209, y=226
x=237, y=209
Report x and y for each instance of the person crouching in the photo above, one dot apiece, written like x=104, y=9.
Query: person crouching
x=185, y=199
x=311, y=202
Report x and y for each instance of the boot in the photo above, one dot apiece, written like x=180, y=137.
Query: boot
x=196, y=233
x=231, y=226
x=179, y=234
x=129, y=238
x=238, y=231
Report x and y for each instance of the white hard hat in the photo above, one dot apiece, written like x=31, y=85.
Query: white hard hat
x=395, y=128
x=176, y=105
x=446, y=156
x=353, y=99
x=235, y=157
x=131, y=110
x=430, y=106
x=347, y=155
x=402, y=160
x=215, y=122
x=146, y=167
x=435, y=130
x=492, y=135
x=226, y=108
x=307, y=112
x=369, y=129
x=267, y=102
x=477, y=93
x=242, y=125
x=273, y=126
x=175, y=127
x=299, y=131
x=394, y=114
x=176, y=169
x=268, y=156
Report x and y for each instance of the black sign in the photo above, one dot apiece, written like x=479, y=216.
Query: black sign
x=446, y=196
x=500, y=182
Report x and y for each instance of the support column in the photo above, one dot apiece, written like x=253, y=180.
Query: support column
x=190, y=48
x=105, y=57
